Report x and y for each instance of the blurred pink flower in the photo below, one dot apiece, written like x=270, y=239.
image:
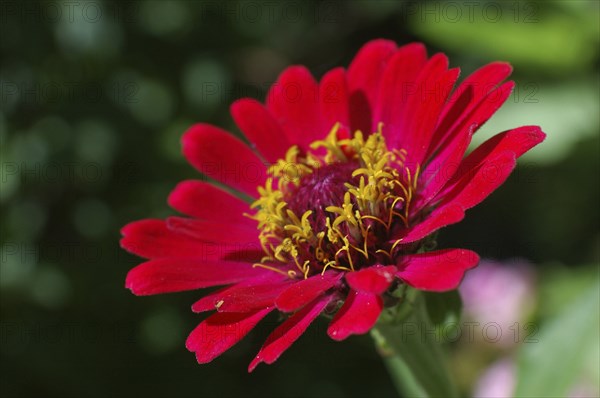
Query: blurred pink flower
x=498, y=381
x=502, y=294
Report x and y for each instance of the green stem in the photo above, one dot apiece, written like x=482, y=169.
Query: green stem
x=412, y=354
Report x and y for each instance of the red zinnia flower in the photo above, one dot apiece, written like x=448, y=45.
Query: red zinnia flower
x=349, y=177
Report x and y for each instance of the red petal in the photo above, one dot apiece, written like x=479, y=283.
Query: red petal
x=220, y=331
x=357, y=316
x=437, y=271
x=364, y=77
x=246, y=296
x=517, y=141
x=293, y=101
x=447, y=161
x=223, y=157
x=306, y=290
x=469, y=191
x=442, y=167
x=209, y=231
x=261, y=128
x=152, y=239
x=426, y=97
x=288, y=332
x=167, y=275
x=429, y=110
x=374, y=279
x=474, y=187
x=401, y=71
x=206, y=201
x=333, y=99
x=439, y=218
x=475, y=88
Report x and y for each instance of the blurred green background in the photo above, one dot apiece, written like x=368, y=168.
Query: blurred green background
x=95, y=96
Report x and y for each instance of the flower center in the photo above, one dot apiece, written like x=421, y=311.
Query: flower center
x=320, y=189
x=334, y=206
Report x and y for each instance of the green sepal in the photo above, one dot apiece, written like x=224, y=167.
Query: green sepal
x=443, y=308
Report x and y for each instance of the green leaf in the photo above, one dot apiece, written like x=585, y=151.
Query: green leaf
x=555, y=359
x=557, y=41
